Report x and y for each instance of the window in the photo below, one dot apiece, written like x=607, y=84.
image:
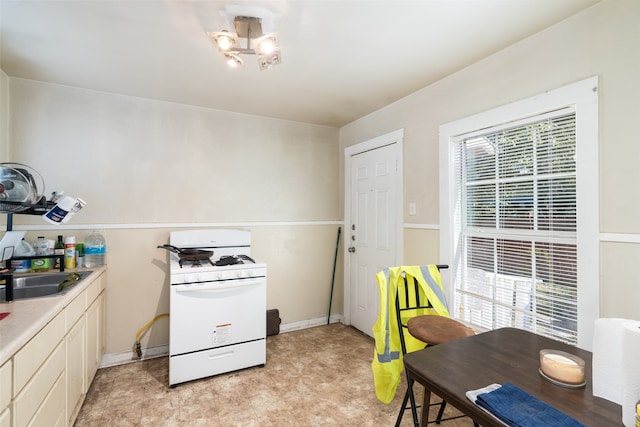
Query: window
x=515, y=180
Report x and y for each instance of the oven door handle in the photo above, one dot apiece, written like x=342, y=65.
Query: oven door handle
x=199, y=287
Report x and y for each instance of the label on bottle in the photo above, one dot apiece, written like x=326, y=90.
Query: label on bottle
x=21, y=266
x=95, y=250
x=70, y=256
x=40, y=264
x=57, y=214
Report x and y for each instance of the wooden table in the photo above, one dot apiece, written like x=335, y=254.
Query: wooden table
x=499, y=356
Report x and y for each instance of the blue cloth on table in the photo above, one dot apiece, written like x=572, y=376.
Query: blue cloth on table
x=518, y=408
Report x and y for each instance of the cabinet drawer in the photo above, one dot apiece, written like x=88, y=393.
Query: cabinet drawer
x=93, y=290
x=75, y=309
x=30, y=357
x=5, y=385
x=93, y=338
x=29, y=400
x=51, y=412
x=5, y=418
x=75, y=369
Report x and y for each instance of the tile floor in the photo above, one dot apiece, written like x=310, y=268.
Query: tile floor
x=314, y=377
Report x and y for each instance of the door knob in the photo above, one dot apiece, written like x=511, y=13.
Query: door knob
x=352, y=249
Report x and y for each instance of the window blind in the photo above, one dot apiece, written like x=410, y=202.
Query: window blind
x=515, y=226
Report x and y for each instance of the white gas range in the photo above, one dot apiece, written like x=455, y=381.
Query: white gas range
x=217, y=305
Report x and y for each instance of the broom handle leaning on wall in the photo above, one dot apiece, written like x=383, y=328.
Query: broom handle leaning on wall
x=333, y=276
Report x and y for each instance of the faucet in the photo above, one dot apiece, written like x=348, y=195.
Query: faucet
x=7, y=274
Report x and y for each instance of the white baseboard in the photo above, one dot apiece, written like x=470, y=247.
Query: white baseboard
x=114, y=359
x=310, y=323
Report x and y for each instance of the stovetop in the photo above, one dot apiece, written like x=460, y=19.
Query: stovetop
x=222, y=261
x=214, y=273
x=231, y=259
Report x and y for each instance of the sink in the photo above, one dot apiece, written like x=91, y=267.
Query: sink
x=41, y=285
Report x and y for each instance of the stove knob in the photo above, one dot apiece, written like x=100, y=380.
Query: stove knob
x=221, y=276
x=241, y=274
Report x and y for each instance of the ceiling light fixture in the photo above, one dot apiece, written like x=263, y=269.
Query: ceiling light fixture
x=265, y=46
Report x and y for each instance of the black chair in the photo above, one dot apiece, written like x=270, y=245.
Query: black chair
x=431, y=329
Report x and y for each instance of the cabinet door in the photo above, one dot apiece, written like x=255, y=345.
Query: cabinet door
x=5, y=418
x=28, y=359
x=5, y=385
x=51, y=413
x=94, y=338
x=30, y=399
x=75, y=369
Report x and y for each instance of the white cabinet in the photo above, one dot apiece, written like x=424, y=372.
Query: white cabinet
x=31, y=397
x=45, y=382
x=30, y=357
x=52, y=411
x=94, y=336
x=5, y=394
x=75, y=369
x=5, y=418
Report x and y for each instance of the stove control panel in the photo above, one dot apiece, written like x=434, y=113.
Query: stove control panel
x=217, y=275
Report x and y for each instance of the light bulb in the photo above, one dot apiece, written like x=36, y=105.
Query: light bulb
x=233, y=61
x=224, y=39
x=224, y=42
x=266, y=46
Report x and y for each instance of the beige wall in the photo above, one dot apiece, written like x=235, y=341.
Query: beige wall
x=147, y=167
x=602, y=41
x=421, y=246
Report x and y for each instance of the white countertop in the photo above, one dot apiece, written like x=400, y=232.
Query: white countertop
x=28, y=316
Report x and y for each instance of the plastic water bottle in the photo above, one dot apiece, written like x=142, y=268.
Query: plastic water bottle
x=95, y=250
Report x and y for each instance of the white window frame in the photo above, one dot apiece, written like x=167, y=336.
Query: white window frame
x=583, y=97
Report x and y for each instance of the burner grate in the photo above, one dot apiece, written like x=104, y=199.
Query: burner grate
x=194, y=262
x=234, y=259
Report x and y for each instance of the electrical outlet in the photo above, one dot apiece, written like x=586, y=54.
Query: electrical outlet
x=412, y=208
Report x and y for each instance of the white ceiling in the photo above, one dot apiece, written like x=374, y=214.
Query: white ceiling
x=341, y=59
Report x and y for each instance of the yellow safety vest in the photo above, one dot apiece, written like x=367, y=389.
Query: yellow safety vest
x=387, y=360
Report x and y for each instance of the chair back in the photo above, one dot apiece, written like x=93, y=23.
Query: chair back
x=410, y=302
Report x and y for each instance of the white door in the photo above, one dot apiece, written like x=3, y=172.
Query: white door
x=373, y=229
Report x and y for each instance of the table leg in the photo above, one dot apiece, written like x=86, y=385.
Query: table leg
x=426, y=402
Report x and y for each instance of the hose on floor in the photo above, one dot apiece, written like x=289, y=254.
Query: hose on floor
x=137, y=350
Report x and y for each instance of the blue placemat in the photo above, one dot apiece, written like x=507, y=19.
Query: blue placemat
x=518, y=408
